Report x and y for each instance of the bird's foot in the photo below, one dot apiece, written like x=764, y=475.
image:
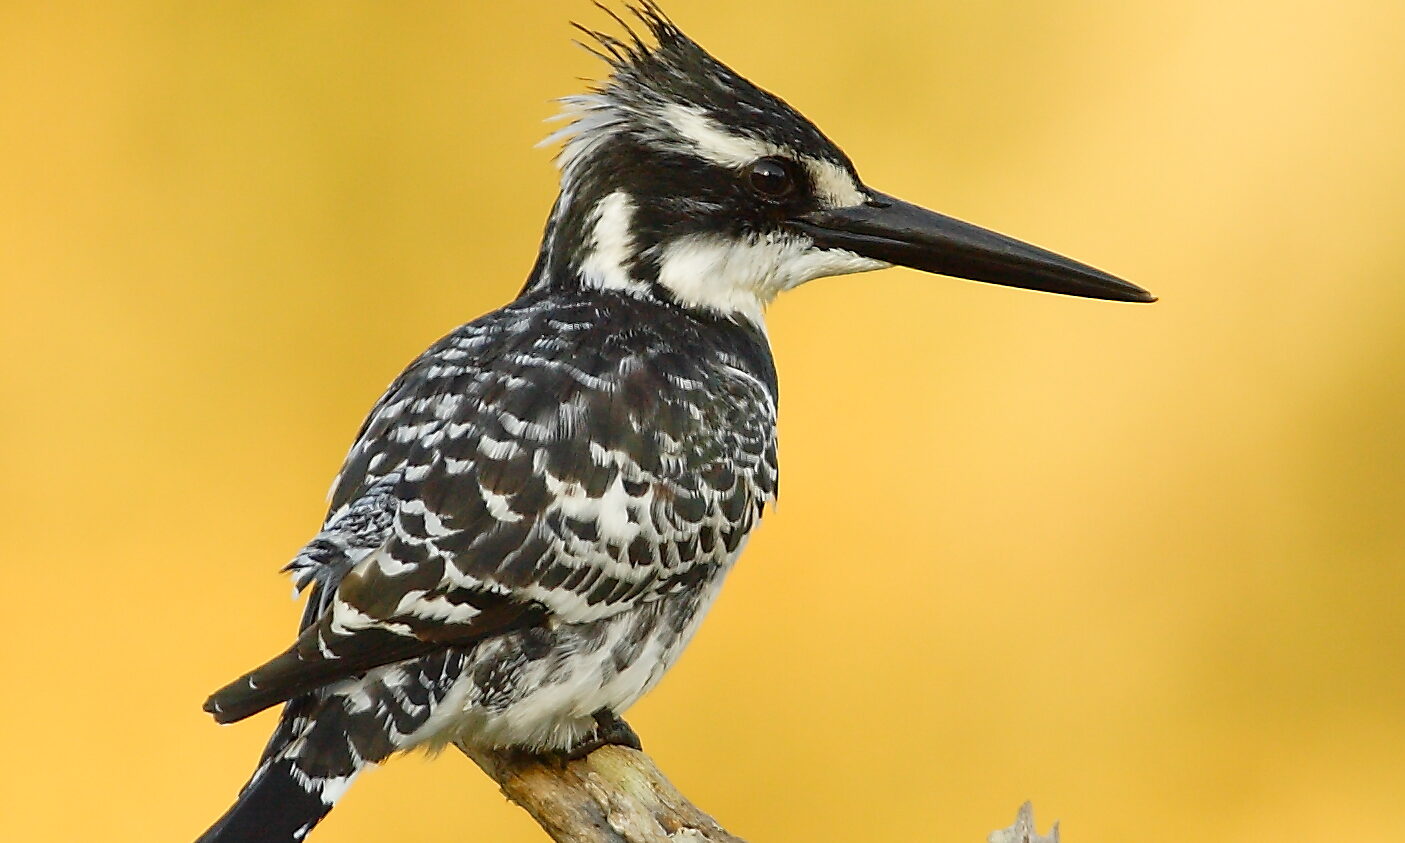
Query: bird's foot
x=609, y=730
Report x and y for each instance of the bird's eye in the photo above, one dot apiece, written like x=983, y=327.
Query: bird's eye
x=771, y=177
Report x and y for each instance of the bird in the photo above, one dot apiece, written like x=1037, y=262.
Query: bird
x=536, y=515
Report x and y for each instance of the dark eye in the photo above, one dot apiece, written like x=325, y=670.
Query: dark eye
x=771, y=177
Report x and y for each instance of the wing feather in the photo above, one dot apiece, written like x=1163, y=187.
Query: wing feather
x=509, y=477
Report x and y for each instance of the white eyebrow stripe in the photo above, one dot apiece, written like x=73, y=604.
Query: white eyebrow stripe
x=714, y=143
x=833, y=184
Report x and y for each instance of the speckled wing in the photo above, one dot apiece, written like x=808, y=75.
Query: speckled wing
x=549, y=461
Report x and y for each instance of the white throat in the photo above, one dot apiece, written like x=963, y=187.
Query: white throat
x=742, y=277
x=729, y=276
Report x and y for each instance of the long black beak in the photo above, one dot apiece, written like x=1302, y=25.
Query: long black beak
x=895, y=231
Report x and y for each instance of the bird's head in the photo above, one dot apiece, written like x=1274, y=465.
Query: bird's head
x=683, y=181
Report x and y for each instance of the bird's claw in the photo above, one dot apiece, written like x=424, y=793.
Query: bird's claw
x=610, y=730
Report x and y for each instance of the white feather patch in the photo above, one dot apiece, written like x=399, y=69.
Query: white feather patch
x=834, y=186
x=715, y=144
x=612, y=245
x=743, y=276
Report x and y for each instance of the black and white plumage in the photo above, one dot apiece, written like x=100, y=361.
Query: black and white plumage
x=538, y=512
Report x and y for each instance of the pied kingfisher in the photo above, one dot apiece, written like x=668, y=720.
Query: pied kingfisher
x=538, y=512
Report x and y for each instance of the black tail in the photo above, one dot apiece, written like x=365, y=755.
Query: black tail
x=275, y=807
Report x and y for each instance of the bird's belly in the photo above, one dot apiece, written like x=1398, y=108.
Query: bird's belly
x=539, y=689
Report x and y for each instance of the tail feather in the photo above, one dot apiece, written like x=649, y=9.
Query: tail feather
x=280, y=804
x=304, y=667
x=325, y=739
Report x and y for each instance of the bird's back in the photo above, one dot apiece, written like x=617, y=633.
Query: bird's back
x=545, y=387
x=556, y=462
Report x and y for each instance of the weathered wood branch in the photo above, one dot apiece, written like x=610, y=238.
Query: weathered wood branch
x=613, y=795
x=1023, y=830
x=617, y=795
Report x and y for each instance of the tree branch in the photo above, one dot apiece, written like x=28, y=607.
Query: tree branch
x=617, y=795
x=613, y=795
x=1023, y=830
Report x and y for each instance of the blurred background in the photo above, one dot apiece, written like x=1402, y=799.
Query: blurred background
x=1142, y=565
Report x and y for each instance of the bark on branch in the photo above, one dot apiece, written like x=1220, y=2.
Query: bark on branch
x=617, y=795
x=613, y=795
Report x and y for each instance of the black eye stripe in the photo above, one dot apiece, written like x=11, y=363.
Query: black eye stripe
x=772, y=177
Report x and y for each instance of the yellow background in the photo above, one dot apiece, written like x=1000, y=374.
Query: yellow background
x=1142, y=565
